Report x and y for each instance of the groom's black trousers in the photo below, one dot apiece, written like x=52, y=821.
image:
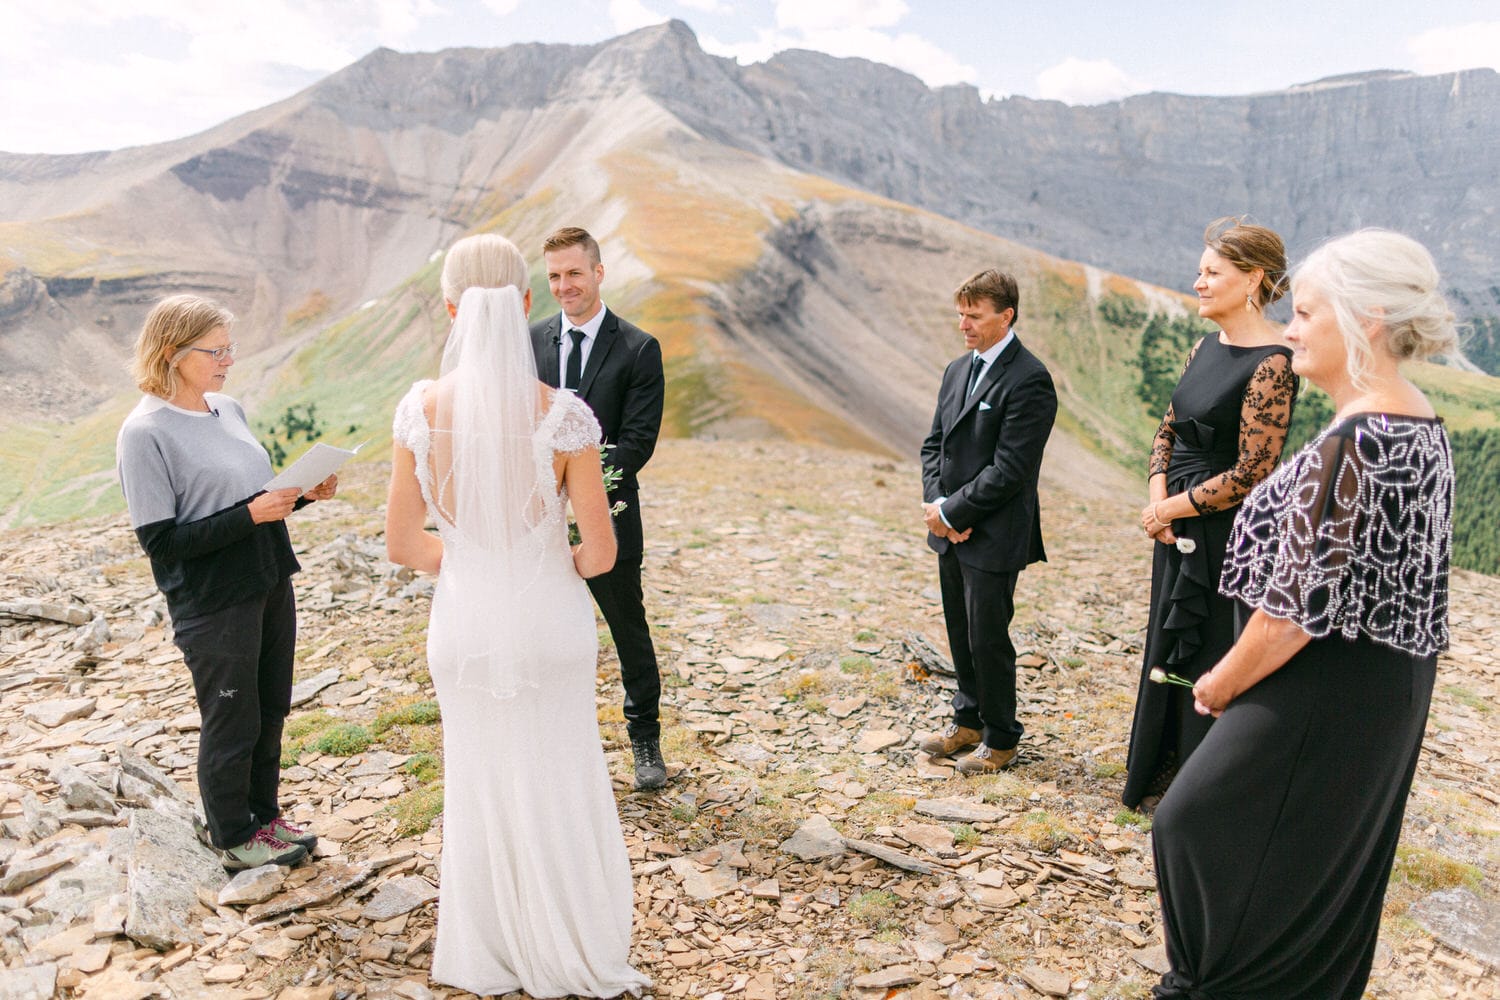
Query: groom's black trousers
x=619, y=596
x=978, y=606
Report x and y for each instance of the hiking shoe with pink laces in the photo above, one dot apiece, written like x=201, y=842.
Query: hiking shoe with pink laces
x=282, y=830
x=261, y=849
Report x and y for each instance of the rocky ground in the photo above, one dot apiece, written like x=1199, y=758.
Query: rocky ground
x=803, y=847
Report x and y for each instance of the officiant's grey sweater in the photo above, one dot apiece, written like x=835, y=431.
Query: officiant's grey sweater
x=188, y=480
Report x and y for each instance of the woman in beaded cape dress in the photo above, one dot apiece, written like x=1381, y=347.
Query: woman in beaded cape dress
x=1274, y=845
x=1222, y=434
x=535, y=890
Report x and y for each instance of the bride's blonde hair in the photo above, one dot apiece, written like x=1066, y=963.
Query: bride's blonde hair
x=482, y=261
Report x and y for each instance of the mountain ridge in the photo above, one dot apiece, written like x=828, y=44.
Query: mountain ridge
x=316, y=220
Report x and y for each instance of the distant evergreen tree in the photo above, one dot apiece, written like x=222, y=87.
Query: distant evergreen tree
x=296, y=421
x=1476, y=470
x=1165, y=343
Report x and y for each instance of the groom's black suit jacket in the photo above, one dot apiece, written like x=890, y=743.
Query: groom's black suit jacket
x=984, y=454
x=624, y=385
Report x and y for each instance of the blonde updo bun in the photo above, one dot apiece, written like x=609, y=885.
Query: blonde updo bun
x=482, y=261
x=1376, y=274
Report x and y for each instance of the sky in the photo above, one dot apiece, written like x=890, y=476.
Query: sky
x=79, y=75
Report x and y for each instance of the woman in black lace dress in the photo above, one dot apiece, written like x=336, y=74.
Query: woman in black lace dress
x=1274, y=844
x=1222, y=433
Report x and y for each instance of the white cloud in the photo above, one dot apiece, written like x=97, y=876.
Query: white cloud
x=821, y=15
x=1085, y=81
x=629, y=15
x=153, y=70
x=707, y=6
x=501, y=8
x=847, y=29
x=1464, y=46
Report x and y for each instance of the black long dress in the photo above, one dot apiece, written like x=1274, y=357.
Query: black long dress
x=1274, y=845
x=1222, y=434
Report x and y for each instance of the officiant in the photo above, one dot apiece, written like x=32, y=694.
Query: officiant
x=193, y=475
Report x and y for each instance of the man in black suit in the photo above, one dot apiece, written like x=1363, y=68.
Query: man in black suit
x=980, y=465
x=615, y=367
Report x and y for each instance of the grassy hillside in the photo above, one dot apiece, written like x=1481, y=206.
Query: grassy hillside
x=686, y=228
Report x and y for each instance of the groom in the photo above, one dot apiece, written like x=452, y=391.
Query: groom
x=980, y=464
x=614, y=367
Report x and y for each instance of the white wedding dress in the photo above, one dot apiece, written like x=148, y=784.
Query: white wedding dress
x=536, y=891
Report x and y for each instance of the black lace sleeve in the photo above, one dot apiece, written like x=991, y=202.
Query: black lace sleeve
x=1353, y=536
x=1265, y=415
x=1166, y=438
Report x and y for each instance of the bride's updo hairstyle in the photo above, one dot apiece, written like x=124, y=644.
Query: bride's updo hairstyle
x=1375, y=274
x=483, y=261
x=1248, y=246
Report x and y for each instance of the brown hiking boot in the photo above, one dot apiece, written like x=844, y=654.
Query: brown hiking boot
x=950, y=741
x=986, y=760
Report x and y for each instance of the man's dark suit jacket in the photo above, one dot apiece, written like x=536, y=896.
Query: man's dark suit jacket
x=984, y=453
x=624, y=386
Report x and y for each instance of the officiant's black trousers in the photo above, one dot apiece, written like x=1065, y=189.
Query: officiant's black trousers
x=241, y=661
x=619, y=596
x=978, y=606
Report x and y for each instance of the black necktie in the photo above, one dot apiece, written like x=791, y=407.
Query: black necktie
x=975, y=368
x=575, y=361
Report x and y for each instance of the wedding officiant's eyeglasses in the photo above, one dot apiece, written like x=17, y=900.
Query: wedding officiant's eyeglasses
x=218, y=353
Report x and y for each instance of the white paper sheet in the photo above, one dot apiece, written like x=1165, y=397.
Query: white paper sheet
x=316, y=464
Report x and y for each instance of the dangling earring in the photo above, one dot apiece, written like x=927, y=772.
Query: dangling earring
x=1249, y=302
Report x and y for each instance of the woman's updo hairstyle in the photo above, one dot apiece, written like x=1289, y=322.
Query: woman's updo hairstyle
x=1375, y=274
x=482, y=261
x=1248, y=246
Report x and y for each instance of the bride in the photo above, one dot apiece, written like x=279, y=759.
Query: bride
x=536, y=892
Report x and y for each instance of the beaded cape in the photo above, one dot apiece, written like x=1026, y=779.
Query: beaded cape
x=1353, y=535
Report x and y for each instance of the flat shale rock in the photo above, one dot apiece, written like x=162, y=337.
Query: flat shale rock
x=29, y=868
x=1046, y=981
x=875, y=740
x=715, y=882
x=331, y=881
x=815, y=840
x=953, y=810
x=54, y=713
x=307, y=689
x=888, y=978
x=398, y=896
x=37, y=982
x=67, y=614
x=929, y=837
x=253, y=885
x=1463, y=922
x=167, y=866
x=141, y=769
x=1153, y=959
x=890, y=856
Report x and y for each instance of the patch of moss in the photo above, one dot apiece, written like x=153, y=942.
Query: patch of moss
x=425, y=767
x=343, y=740
x=417, y=713
x=1431, y=871
x=1043, y=831
x=416, y=809
x=875, y=908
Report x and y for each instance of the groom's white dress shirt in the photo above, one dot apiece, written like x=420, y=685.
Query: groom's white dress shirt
x=565, y=341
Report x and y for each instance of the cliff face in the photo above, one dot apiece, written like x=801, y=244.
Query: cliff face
x=341, y=193
x=1129, y=186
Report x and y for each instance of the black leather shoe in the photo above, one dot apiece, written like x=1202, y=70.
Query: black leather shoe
x=650, y=770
